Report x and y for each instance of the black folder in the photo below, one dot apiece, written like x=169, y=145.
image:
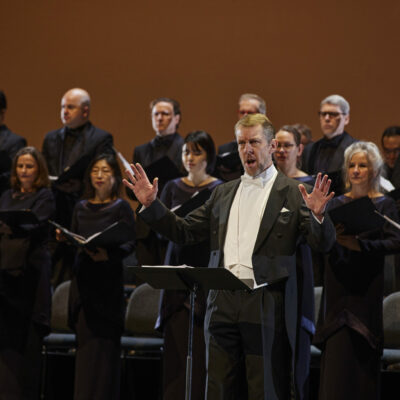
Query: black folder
x=194, y=202
x=16, y=218
x=114, y=235
x=357, y=216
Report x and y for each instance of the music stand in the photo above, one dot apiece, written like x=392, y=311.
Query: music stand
x=192, y=279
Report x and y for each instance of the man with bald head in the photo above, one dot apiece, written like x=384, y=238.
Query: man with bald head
x=65, y=146
x=77, y=142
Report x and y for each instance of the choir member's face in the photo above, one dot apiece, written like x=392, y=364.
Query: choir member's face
x=163, y=119
x=27, y=172
x=254, y=150
x=102, y=177
x=194, y=159
x=73, y=113
x=391, y=149
x=332, y=120
x=287, y=151
x=359, y=170
x=248, y=106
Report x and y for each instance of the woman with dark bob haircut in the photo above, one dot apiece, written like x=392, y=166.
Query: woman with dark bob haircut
x=96, y=305
x=25, y=267
x=198, y=158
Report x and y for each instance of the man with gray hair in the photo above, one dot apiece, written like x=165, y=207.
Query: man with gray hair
x=327, y=154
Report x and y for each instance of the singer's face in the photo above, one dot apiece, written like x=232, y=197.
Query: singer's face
x=254, y=150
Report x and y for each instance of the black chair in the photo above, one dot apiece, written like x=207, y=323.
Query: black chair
x=391, y=330
x=141, y=314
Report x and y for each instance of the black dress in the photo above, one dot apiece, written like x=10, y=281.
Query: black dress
x=96, y=306
x=349, y=330
x=25, y=295
x=173, y=318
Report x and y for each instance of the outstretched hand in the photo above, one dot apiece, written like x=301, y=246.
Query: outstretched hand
x=144, y=190
x=317, y=200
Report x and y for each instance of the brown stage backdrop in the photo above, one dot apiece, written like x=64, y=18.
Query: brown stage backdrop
x=205, y=54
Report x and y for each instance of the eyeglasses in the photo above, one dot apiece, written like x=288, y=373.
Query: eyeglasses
x=284, y=146
x=331, y=114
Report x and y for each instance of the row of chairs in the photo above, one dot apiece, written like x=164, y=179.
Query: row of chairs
x=391, y=328
x=141, y=315
x=139, y=336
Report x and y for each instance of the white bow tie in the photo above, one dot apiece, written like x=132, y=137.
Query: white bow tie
x=248, y=180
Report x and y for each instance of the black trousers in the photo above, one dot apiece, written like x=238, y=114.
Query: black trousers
x=248, y=352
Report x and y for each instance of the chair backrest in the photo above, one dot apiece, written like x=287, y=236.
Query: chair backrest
x=391, y=320
x=317, y=301
x=142, y=311
x=59, y=308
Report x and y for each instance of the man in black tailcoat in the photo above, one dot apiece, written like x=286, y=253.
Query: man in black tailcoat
x=253, y=225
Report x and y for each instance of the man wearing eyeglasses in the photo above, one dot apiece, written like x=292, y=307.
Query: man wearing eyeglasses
x=327, y=154
x=249, y=103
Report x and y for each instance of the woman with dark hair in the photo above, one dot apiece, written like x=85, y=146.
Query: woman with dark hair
x=288, y=152
x=349, y=329
x=198, y=158
x=25, y=268
x=96, y=305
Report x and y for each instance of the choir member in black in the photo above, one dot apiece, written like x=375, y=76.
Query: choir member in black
x=289, y=149
x=287, y=157
x=349, y=328
x=390, y=142
x=10, y=143
x=96, y=306
x=62, y=149
x=24, y=278
x=198, y=158
x=165, y=119
x=326, y=154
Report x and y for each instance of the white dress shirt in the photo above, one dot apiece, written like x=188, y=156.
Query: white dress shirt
x=244, y=222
